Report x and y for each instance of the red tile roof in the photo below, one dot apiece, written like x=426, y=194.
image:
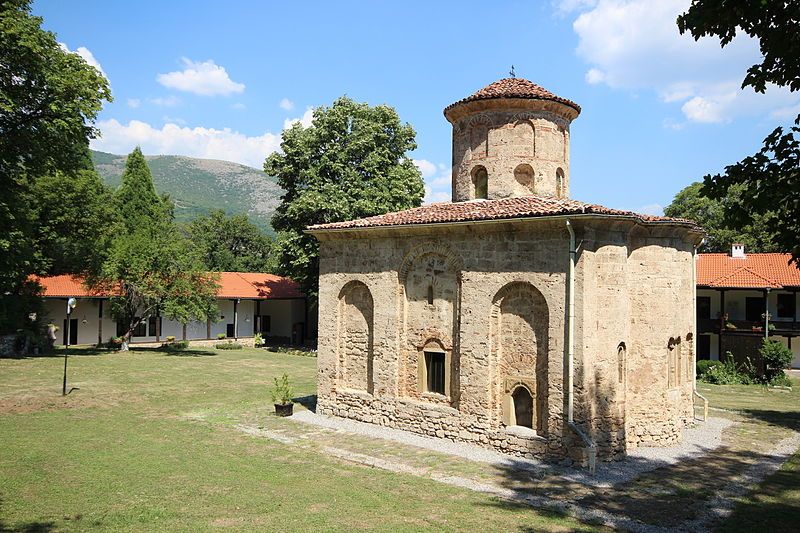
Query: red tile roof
x=481, y=210
x=753, y=271
x=232, y=285
x=514, y=88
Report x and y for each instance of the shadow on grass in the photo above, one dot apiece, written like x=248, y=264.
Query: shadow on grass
x=28, y=527
x=663, y=495
x=309, y=402
x=787, y=419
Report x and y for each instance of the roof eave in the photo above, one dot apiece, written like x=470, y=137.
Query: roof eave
x=571, y=216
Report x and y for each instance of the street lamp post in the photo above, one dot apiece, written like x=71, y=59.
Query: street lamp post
x=71, y=303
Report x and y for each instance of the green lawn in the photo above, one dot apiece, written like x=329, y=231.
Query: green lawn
x=148, y=442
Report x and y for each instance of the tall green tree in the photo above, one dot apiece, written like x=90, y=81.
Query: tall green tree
x=75, y=222
x=692, y=203
x=152, y=266
x=230, y=243
x=770, y=178
x=49, y=99
x=351, y=162
x=137, y=200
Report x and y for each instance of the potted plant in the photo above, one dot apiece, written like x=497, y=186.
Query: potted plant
x=282, y=396
x=258, y=340
x=220, y=336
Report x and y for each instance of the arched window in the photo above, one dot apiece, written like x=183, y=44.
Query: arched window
x=430, y=294
x=621, y=352
x=559, y=183
x=523, y=407
x=525, y=176
x=480, y=183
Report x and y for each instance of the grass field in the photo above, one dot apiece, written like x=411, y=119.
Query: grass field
x=149, y=442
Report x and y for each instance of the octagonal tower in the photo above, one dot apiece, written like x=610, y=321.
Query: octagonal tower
x=511, y=139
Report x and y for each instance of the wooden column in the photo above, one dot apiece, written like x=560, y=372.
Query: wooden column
x=257, y=320
x=100, y=323
x=158, y=326
x=208, y=328
x=184, y=332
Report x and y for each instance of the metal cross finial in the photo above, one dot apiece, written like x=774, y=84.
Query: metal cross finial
x=513, y=74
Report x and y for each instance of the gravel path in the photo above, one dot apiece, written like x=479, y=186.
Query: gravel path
x=697, y=441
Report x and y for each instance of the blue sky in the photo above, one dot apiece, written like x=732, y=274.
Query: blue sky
x=222, y=80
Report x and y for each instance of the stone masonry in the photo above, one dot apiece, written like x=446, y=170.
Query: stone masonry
x=457, y=327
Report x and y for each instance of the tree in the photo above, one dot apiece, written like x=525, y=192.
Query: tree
x=137, y=200
x=230, y=244
x=769, y=179
x=351, y=162
x=692, y=203
x=75, y=222
x=151, y=266
x=49, y=99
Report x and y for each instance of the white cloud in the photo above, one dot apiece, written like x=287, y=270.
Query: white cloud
x=168, y=101
x=304, y=121
x=174, y=120
x=206, y=79
x=438, y=180
x=134, y=102
x=87, y=56
x=425, y=167
x=635, y=44
x=202, y=142
x=432, y=196
x=286, y=104
x=650, y=209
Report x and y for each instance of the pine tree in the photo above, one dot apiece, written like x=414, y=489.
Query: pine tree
x=137, y=200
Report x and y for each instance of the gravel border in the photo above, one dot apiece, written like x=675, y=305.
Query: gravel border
x=698, y=440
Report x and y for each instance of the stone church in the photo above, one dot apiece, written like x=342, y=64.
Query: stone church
x=513, y=317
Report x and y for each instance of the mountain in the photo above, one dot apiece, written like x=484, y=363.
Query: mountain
x=199, y=185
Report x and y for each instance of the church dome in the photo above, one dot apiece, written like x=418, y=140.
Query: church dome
x=514, y=88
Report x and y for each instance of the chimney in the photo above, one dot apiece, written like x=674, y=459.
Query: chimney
x=737, y=251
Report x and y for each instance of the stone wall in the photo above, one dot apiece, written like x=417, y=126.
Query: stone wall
x=523, y=149
x=491, y=297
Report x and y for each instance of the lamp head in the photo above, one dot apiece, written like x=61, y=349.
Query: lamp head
x=71, y=303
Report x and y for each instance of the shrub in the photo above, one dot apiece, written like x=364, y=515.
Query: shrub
x=781, y=380
x=704, y=365
x=230, y=345
x=170, y=339
x=776, y=356
x=282, y=393
x=258, y=340
x=220, y=336
x=175, y=346
x=726, y=373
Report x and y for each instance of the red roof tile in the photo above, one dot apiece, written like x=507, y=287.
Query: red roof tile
x=66, y=286
x=232, y=285
x=514, y=88
x=751, y=271
x=481, y=210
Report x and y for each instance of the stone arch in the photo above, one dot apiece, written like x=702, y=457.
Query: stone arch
x=522, y=400
x=479, y=127
x=429, y=299
x=480, y=182
x=526, y=177
x=523, y=138
x=560, y=183
x=430, y=247
x=519, y=344
x=356, y=337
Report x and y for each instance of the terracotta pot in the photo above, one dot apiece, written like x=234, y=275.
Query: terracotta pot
x=284, y=410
